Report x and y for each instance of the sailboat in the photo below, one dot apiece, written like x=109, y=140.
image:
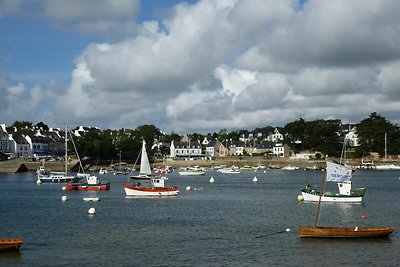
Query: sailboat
x=388, y=166
x=342, y=176
x=156, y=184
x=317, y=231
x=46, y=176
x=92, y=181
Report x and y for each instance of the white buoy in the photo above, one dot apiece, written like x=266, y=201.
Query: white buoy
x=188, y=188
x=288, y=230
x=212, y=180
x=38, y=182
x=64, y=198
x=300, y=198
x=265, y=171
x=92, y=211
x=255, y=180
x=63, y=188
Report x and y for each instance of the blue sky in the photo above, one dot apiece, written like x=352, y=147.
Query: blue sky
x=198, y=65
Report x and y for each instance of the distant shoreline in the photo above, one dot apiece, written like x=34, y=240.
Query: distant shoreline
x=20, y=165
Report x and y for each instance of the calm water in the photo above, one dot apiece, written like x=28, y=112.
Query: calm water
x=233, y=222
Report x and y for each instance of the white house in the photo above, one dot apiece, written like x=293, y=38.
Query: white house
x=352, y=138
x=276, y=136
x=183, y=149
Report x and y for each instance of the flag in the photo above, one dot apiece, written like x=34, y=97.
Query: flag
x=337, y=173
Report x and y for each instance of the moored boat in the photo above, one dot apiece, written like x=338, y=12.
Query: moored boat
x=342, y=175
x=229, y=170
x=93, y=184
x=10, y=244
x=152, y=185
x=333, y=172
x=44, y=175
x=156, y=188
x=345, y=232
x=191, y=171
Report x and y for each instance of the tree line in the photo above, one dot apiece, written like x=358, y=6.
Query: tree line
x=325, y=136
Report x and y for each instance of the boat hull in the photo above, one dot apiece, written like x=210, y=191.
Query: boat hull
x=331, y=198
x=10, y=244
x=191, y=173
x=57, y=179
x=344, y=232
x=131, y=190
x=87, y=187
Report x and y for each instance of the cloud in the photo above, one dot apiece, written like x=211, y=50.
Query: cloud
x=233, y=64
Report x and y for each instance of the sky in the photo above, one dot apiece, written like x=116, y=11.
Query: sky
x=198, y=66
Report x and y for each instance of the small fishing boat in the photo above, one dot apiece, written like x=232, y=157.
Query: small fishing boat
x=341, y=174
x=10, y=244
x=152, y=185
x=156, y=188
x=93, y=184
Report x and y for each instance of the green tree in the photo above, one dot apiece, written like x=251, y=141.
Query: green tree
x=371, y=133
x=22, y=124
x=294, y=134
x=323, y=135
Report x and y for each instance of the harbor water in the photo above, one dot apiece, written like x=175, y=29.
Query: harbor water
x=231, y=222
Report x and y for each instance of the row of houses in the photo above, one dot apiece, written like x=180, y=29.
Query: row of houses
x=36, y=142
x=216, y=149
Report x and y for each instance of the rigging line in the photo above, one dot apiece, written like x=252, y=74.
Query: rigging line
x=287, y=230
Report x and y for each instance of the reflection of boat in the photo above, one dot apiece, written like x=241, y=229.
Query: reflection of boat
x=94, y=199
x=153, y=185
x=317, y=231
x=10, y=244
x=342, y=175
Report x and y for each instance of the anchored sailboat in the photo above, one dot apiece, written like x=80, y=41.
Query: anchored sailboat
x=156, y=184
x=340, y=232
x=342, y=176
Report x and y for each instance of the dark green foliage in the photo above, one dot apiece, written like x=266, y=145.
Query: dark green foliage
x=371, y=133
x=22, y=124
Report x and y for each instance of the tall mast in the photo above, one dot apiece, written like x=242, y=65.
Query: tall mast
x=385, y=146
x=321, y=192
x=66, y=149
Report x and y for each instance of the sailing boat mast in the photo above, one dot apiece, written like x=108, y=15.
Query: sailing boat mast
x=66, y=149
x=385, y=146
x=321, y=192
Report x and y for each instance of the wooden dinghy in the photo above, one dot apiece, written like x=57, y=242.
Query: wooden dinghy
x=10, y=244
x=345, y=232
